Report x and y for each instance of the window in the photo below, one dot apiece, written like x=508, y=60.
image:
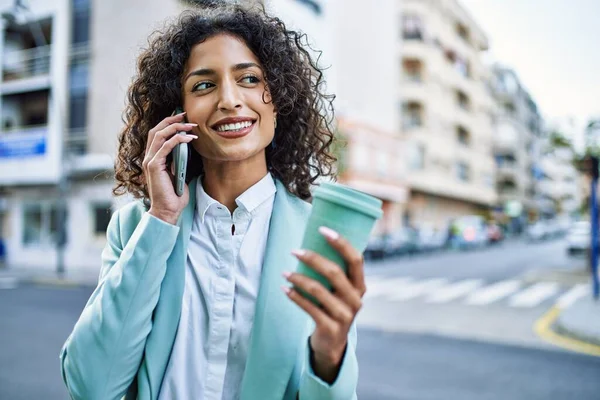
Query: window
x=509, y=107
x=458, y=63
x=416, y=157
x=102, y=214
x=413, y=70
x=462, y=136
x=412, y=27
x=412, y=115
x=463, y=32
x=462, y=100
x=40, y=224
x=462, y=171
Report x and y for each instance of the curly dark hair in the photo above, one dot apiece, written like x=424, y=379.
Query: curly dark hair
x=304, y=132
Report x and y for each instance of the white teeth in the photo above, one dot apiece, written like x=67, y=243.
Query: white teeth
x=234, y=127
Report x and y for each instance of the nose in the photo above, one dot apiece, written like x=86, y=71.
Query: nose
x=229, y=96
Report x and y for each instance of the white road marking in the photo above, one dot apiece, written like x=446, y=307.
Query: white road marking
x=385, y=287
x=495, y=292
x=570, y=297
x=416, y=289
x=534, y=295
x=454, y=291
x=9, y=283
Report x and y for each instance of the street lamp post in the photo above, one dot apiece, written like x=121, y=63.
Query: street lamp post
x=594, y=226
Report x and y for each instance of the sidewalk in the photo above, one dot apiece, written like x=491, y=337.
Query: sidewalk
x=14, y=275
x=581, y=321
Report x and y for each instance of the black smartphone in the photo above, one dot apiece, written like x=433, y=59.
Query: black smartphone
x=180, y=160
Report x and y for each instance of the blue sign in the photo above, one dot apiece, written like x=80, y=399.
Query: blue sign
x=22, y=145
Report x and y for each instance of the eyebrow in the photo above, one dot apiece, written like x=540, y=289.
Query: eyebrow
x=208, y=71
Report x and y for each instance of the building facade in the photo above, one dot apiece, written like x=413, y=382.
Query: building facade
x=447, y=113
x=50, y=169
x=518, y=149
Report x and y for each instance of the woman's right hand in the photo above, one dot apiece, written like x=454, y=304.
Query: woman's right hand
x=162, y=139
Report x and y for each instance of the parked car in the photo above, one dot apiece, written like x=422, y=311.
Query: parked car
x=537, y=231
x=469, y=232
x=375, y=248
x=402, y=242
x=430, y=239
x=578, y=238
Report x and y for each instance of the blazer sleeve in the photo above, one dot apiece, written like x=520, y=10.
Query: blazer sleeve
x=343, y=388
x=102, y=355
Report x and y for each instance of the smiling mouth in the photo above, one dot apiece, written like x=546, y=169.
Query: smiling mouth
x=233, y=127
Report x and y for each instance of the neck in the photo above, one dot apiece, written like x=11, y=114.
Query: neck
x=226, y=181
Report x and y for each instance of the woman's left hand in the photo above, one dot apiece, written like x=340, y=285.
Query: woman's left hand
x=338, y=308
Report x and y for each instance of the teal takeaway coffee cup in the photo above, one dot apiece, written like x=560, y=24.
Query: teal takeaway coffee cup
x=347, y=211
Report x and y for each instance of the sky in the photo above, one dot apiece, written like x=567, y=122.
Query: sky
x=553, y=45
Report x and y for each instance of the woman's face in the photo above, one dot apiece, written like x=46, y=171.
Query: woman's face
x=224, y=93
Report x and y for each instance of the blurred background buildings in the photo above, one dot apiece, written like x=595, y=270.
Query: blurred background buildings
x=424, y=123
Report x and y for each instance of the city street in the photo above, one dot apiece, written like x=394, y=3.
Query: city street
x=423, y=333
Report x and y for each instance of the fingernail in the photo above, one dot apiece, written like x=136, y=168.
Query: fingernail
x=191, y=124
x=285, y=289
x=180, y=114
x=286, y=274
x=329, y=233
x=298, y=253
x=192, y=136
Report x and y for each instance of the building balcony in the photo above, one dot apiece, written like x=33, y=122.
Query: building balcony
x=23, y=64
x=414, y=49
x=509, y=170
x=23, y=142
x=415, y=91
x=26, y=70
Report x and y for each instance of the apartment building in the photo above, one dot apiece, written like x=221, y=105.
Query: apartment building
x=561, y=186
x=518, y=148
x=447, y=113
x=50, y=169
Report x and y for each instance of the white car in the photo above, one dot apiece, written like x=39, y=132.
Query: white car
x=578, y=238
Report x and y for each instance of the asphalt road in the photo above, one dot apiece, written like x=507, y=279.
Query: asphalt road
x=408, y=349
x=496, y=262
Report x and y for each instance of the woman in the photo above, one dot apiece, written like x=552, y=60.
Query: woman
x=190, y=302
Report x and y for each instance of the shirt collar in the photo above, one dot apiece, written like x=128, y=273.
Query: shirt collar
x=257, y=194
x=253, y=197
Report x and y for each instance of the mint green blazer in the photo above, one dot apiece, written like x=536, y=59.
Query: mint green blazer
x=121, y=344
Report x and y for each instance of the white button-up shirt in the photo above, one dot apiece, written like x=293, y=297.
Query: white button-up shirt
x=221, y=286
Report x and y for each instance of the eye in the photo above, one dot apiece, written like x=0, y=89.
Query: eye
x=250, y=79
x=202, y=86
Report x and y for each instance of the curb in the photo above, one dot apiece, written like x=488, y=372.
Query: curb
x=12, y=282
x=547, y=328
x=561, y=329
x=54, y=282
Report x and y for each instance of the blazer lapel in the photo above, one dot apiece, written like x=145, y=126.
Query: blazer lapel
x=160, y=341
x=279, y=325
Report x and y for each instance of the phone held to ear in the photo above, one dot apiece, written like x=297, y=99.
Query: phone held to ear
x=180, y=159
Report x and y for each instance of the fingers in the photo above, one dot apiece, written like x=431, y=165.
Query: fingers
x=162, y=125
x=164, y=134
x=317, y=314
x=335, y=276
x=158, y=161
x=160, y=137
x=354, y=259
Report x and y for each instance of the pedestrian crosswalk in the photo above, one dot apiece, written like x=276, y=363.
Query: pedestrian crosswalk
x=473, y=292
